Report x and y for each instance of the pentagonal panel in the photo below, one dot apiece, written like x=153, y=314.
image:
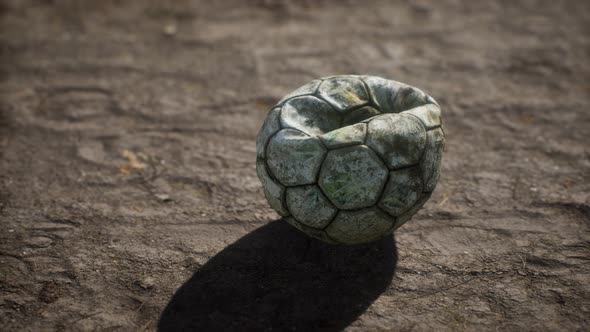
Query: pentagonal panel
x=303, y=90
x=313, y=232
x=273, y=191
x=399, y=139
x=360, y=226
x=294, y=158
x=359, y=114
x=429, y=114
x=352, y=177
x=403, y=189
x=350, y=135
x=310, y=115
x=343, y=92
x=412, y=211
x=270, y=126
x=383, y=92
x=309, y=206
x=430, y=163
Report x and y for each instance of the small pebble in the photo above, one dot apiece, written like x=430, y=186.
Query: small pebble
x=170, y=29
x=163, y=197
x=147, y=283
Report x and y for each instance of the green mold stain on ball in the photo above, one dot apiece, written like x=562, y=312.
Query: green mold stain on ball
x=348, y=159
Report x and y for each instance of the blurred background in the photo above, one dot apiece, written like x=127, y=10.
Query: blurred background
x=127, y=161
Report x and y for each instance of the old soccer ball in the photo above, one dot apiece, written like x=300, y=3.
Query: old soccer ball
x=348, y=159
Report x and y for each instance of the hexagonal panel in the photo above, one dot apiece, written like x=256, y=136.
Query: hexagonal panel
x=403, y=189
x=273, y=191
x=352, y=177
x=294, y=158
x=358, y=114
x=310, y=115
x=350, y=135
x=429, y=114
x=409, y=97
x=270, y=126
x=343, y=92
x=402, y=219
x=398, y=138
x=360, y=226
x=383, y=92
x=313, y=232
x=306, y=89
x=431, y=160
x=310, y=206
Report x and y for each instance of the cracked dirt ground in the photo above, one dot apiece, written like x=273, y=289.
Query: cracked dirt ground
x=129, y=198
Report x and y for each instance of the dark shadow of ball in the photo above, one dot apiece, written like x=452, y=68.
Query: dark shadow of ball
x=276, y=278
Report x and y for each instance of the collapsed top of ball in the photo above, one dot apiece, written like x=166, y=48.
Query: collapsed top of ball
x=348, y=159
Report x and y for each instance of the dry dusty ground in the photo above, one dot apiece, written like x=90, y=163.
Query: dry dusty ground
x=128, y=193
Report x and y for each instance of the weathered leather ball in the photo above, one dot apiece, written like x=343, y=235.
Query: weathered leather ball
x=348, y=159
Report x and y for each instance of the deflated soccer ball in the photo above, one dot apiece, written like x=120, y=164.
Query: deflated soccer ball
x=348, y=159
